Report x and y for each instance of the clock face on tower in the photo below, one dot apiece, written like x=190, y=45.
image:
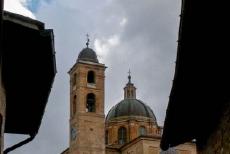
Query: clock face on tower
x=73, y=132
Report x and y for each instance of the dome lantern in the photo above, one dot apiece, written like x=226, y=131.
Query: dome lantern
x=130, y=106
x=130, y=89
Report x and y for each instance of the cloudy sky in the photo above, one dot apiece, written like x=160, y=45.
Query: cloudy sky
x=126, y=34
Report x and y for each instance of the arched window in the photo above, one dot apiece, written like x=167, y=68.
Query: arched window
x=74, y=104
x=106, y=137
x=142, y=131
x=90, y=103
x=91, y=77
x=131, y=93
x=122, y=135
x=128, y=94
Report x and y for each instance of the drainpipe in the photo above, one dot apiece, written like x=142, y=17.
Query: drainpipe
x=19, y=144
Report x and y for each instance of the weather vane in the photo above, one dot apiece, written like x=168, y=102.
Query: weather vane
x=87, y=43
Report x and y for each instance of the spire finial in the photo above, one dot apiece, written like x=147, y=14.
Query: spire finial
x=130, y=89
x=87, y=43
x=129, y=77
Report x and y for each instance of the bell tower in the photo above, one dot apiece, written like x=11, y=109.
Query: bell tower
x=87, y=117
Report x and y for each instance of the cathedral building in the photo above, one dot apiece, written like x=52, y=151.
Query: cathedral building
x=130, y=126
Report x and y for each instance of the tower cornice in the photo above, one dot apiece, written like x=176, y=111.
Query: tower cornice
x=86, y=63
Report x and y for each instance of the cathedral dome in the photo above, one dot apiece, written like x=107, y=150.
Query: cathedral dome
x=130, y=107
x=87, y=54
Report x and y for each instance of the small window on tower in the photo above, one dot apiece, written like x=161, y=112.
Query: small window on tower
x=131, y=93
x=91, y=77
x=74, y=104
x=106, y=137
x=90, y=103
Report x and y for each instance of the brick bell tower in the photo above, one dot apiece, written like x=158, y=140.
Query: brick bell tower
x=87, y=127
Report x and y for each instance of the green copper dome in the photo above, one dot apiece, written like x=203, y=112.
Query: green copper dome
x=130, y=107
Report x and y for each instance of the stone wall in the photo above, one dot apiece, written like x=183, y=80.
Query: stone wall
x=186, y=148
x=219, y=140
x=112, y=151
x=150, y=145
x=134, y=148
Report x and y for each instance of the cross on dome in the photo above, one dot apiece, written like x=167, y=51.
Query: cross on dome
x=129, y=77
x=87, y=43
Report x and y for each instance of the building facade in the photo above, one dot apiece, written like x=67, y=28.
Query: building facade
x=200, y=107
x=22, y=99
x=130, y=126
